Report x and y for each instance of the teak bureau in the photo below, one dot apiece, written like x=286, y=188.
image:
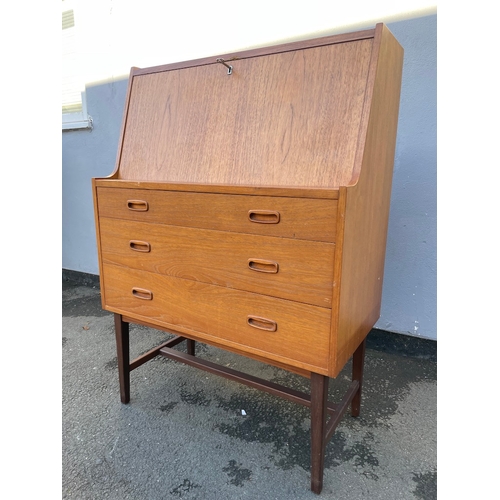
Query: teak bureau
x=248, y=210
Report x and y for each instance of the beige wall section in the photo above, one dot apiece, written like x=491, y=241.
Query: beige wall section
x=118, y=35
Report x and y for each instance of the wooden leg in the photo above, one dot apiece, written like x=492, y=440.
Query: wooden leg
x=319, y=398
x=123, y=355
x=358, y=363
x=190, y=346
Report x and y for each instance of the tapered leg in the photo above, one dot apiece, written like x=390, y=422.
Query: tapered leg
x=123, y=355
x=319, y=398
x=358, y=363
x=190, y=347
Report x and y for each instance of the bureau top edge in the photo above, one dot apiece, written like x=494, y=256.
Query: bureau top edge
x=260, y=51
x=291, y=192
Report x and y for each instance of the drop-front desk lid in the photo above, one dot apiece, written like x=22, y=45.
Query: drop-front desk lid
x=285, y=116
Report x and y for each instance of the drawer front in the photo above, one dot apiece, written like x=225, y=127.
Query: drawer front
x=301, y=218
x=297, y=270
x=285, y=330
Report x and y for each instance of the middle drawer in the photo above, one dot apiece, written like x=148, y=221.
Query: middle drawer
x=292, y=269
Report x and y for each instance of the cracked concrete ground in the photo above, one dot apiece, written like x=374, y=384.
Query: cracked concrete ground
x=184, y=435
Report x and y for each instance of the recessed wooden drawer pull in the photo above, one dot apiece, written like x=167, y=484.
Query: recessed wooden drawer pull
x=262, y=323
x=140, y=246
x=264, y=216
x=138, y=205
x=142, y=293
x=263, y=266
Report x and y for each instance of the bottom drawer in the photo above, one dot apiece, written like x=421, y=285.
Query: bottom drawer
x=290, y=332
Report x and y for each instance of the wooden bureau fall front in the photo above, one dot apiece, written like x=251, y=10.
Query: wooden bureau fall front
x=249, y=207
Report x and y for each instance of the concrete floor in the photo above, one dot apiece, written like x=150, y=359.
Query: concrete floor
x=183, y=434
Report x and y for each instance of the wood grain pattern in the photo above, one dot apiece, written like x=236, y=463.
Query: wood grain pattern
x=210, y=311
x=301, y=218
x=276, y=121
x=367, y=204
x=289, y=192
x=337, y=281
x=303, y=267
x=98, y=241
x=261, y=357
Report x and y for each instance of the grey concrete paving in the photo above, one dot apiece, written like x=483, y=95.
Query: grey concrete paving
x=183, y=434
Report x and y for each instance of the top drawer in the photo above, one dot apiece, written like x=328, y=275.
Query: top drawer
x=302, y=218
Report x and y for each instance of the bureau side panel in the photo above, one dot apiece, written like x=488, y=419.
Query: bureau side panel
x=362, y=255
x=98, y=239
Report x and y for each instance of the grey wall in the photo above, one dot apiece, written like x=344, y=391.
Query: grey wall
x=409, y=293
x=87, y=154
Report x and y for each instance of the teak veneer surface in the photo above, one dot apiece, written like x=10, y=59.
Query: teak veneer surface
x=280, y=120
x=365, y=206
x=208, y=311
x=306, y=130
x=303, y=218
x=297, y=270
x=286, y=192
